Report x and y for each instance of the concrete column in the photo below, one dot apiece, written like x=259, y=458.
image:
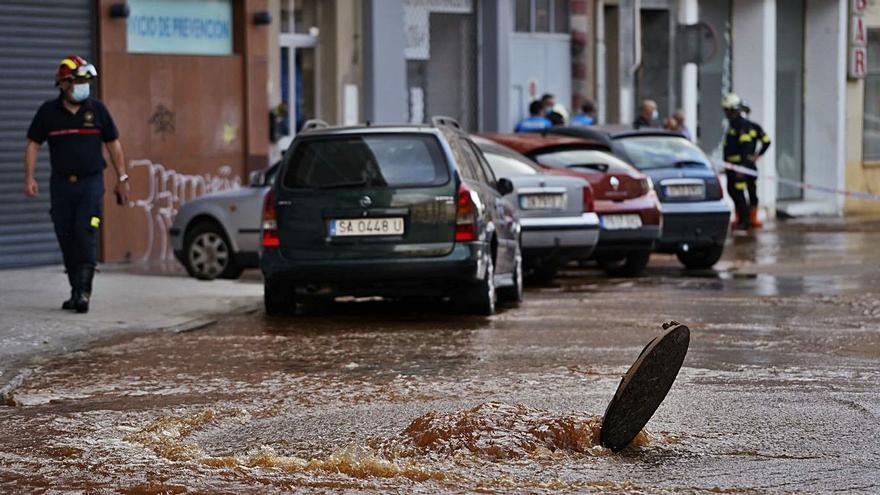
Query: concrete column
x=688, y=14
x=754, y=79
x=581, y=53
x=385, y=97
x=825, y=36
x=496, y=24
x=628, y=16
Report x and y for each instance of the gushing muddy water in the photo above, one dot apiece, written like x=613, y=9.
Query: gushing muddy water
x=779, y=392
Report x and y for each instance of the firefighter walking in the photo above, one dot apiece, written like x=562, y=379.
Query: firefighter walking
x=741, y=147
x=77, y=128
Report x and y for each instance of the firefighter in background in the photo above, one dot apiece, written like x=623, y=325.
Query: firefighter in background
x=77, y=128
x=741, y=147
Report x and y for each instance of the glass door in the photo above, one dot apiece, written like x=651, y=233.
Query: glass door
x=788, y=142
x=298, y=43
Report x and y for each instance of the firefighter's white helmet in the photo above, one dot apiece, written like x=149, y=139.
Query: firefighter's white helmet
x=731, y=102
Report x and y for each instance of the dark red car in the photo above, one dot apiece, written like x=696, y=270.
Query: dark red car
x=628, y=207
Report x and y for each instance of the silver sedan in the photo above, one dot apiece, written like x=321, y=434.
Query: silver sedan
x=218, y=235
x=558, y=224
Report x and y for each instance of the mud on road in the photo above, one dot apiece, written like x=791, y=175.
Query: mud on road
x=780, y=391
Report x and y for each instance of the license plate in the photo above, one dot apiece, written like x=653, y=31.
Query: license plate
x=621, y=222
x=686, y=191
x=345, y=227
x=542, y=201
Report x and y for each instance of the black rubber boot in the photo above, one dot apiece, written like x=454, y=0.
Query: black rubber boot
x=71, y=277
x=84, y=276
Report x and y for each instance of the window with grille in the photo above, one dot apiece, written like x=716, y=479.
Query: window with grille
x=871, y=130
x=542, y=16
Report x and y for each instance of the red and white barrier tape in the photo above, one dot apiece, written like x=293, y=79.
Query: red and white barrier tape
x=803, y=185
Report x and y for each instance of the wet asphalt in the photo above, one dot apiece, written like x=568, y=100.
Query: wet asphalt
x=779, y=393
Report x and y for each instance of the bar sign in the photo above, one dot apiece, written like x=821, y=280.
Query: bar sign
x=857, y=65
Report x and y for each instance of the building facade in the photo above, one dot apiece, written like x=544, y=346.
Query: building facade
x=863, y=121
x=787, y=59
x=205, y=91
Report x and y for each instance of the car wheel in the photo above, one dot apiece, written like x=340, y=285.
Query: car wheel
x=630, y=264
x=481, y=298
x=697, y=259
x=208, y=253
x=513, y=294
x=278, y=299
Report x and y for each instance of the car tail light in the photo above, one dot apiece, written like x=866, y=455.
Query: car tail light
x=465, y=215
x=589, y=204
x=270, y=222
x=647, y=185
x=713, y=189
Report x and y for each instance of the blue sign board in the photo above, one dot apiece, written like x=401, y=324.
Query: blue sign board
x=194, y=27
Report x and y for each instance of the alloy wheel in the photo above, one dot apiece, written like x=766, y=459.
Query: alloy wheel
x=209, y=254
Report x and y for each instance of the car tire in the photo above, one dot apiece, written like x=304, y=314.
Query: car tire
x=630, y=265
x=701, y=259
x=513, y=295
x=207, y=253
x=481, y=297
x=278, y=299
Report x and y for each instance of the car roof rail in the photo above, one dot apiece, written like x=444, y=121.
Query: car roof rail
x=443, y=121
x=313, y=124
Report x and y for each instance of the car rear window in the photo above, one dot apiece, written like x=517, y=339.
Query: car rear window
x=647, y=152
x=376, y=160
x=589, y=159
x=509, y=166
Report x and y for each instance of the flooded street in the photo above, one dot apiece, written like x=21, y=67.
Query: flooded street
x=780, y=391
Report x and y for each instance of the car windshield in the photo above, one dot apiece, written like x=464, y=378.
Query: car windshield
x=585, y=158
x=376, y=160
x=649, y=152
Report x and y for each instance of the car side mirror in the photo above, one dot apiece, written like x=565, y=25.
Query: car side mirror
x=257, y=178
x=504, y=186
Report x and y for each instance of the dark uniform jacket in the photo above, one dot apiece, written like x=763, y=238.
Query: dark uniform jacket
x=743, y=137
x=640, y=122
x=75, y=140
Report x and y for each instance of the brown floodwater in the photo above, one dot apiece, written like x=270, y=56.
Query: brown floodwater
x=780, y=391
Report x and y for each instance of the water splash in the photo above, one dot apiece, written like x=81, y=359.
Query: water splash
x=501, y=431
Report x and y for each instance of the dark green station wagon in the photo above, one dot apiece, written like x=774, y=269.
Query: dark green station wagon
x=392, y=211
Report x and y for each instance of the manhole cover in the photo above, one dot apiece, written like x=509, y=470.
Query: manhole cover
x=644, y=387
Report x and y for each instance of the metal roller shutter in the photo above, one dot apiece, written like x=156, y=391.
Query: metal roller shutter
x=34, y=36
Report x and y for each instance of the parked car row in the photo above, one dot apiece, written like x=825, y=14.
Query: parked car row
x=696, y=219
x=430, y=210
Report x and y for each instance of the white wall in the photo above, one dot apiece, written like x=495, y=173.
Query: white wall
x=544, y=58
x=825, y=100
x=754, y=79
x=688, y=14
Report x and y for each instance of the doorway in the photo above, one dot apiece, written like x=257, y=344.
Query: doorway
x=789, y=138
x=298, y=85
x=654, y=79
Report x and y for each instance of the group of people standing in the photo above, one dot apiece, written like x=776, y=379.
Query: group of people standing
x=745, y=142
x=649, y=117
x=546, y=112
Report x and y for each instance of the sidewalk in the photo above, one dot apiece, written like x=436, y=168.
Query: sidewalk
x=32, y=323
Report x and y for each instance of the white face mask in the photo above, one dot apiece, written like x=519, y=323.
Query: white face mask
x=655, y=115
x=80, y=92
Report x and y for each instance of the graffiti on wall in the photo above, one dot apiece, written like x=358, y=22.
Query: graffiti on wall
x=167, y=189
x=162, y=121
